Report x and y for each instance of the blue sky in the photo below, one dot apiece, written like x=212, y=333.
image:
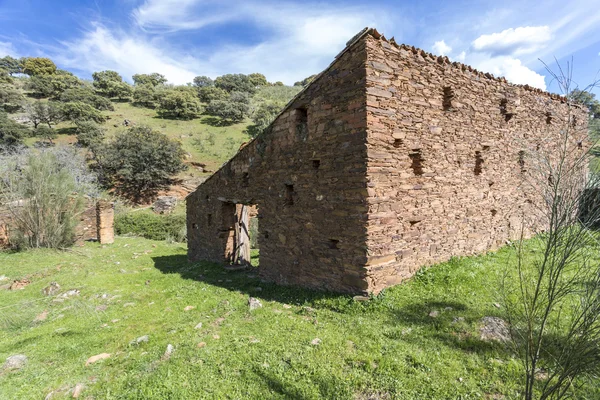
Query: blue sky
x=289, y=40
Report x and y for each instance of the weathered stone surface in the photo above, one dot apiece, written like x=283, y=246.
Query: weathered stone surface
x=388, y=161
x=494, y=328
x=253, y=303
x=164, y=204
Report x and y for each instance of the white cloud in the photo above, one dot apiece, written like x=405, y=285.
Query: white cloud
x=100, y=49
x=302, y=40
x=509, y=67
x=441, y=48
x=6, y=49
x=514, y=41
x=461, y=57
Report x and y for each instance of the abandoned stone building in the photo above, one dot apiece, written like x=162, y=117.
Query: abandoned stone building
x=390, y=160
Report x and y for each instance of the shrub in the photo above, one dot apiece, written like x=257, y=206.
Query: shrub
x=11, y=134
x=235, y=83
x=234, y=109
x=44, y=191
x=152, y=226
x=11, y=99
x=207, y=94
x=89, y=133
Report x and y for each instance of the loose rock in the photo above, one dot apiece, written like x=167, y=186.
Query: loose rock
x=42, y=316
x=199, y=326
x=168, y=352
x=51, y=290
x=494, y=328
x=97, y=358
x=315, y=342
x=188, y=308
x=17, y=361
x=254, y=303
x=434, y=314
x=78, y=389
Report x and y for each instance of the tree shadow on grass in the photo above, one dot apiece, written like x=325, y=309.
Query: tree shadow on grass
x=450, y=323
x=245, y=281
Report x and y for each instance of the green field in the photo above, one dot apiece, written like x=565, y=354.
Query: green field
x=388, y=347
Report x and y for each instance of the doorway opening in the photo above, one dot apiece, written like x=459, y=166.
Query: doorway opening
x=240, y=224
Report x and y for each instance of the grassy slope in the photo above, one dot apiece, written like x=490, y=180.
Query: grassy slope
x=388, y=345
x=225, y=141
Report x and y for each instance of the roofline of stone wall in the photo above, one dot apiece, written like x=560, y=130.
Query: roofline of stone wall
x=349, y=45
x=444, y=60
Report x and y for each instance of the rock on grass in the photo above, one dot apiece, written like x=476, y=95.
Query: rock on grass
x=17, y=361
x=96, y=358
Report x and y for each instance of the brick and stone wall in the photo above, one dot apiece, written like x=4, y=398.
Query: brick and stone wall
x=446, y=165
x=307, y=178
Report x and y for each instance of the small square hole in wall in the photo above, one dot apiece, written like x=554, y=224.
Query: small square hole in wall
x=289, y=195
x=504, y=110
x=333, y=244
x=266, y=234
x=573, y=121
x=398, y=143
x=522, y=160
x=417, y=162
x=207, y=197
x=209, y=219
x=447, y=99
x=494, y=212
x=478, y=163
x=548, y=118
x=316, y=164
x=245, y=179
x=194, y=226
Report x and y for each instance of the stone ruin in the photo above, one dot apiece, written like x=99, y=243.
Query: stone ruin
x=390, y=160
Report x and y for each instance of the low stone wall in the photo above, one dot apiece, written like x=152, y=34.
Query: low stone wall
x=96, y=223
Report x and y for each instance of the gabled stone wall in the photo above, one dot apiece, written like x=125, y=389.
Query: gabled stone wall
x=445, y=162
x=306, y=176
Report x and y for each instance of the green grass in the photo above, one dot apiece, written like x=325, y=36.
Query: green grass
x=388, y=347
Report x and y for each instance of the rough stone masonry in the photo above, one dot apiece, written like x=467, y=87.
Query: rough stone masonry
x=390, y=160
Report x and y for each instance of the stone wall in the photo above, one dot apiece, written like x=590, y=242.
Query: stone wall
x=307, y=178
x=447, y=159
x=392, y=159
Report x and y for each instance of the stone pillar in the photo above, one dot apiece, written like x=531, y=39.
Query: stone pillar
x=105, y=218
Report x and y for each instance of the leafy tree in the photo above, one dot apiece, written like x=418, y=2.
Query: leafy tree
x=107, y=82
x=258, y=79
x=210, y=93
x=45, y=133
x=203, y=81
x=40, y=86
x=88, y=96
x=121, y=90
x=11, y=134
x=144, y=95
x=140, y=161
x=264, y=115
x=179, y=103
x=11, y=99
x=52, y=85
x=278, y=83
x=44, y=112
x=89, y=134
x=11, y=65
x=34, y=66
x=235, y=83
x=153, y=79
x=305, y=81
x=589, y=100
x=232, y=110
x=78, y=111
